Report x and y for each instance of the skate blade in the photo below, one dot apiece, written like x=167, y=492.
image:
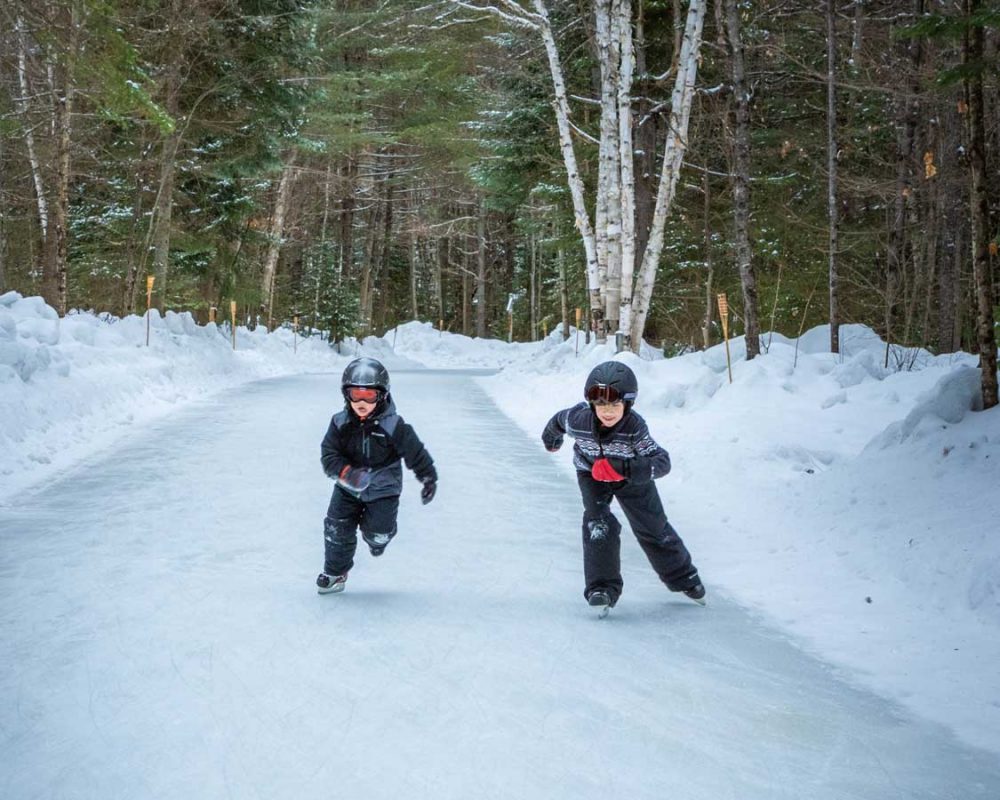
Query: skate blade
x=603, y=611
x=335, y=589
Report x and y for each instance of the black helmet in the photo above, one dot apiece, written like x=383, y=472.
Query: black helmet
x=611, y=381
x=365, y=372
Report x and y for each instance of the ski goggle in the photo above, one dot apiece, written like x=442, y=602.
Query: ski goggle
x=362, y=394
x=601, y=394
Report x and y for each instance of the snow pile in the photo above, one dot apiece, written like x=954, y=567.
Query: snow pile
x=423, y=343
x=70, y=386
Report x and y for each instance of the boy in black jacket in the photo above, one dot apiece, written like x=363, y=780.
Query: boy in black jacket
x=615, y=457
x=361, y=451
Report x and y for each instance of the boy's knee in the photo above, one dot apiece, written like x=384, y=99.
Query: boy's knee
x=601, y=528
x=338, y=530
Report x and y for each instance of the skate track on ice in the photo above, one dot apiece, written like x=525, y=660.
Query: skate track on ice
x=161, y=637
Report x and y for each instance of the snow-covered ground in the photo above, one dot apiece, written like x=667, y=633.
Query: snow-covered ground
x=852, y=506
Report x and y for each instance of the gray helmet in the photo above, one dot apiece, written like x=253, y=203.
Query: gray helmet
x=366, y=372
x=611, y=381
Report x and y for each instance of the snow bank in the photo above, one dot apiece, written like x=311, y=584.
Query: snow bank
x=70, y=386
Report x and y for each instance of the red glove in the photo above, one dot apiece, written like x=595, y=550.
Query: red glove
x=603, y=471
x=355, y=479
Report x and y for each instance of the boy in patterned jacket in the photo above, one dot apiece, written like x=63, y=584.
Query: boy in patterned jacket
x=615, y=457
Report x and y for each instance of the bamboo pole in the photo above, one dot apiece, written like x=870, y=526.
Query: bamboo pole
x=149, y=301
x=295, y=334
x=724, y=317
x=211, y=313
x=576, y=350
x=232, y=314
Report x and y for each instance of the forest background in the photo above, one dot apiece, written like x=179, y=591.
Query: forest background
x=351, y=165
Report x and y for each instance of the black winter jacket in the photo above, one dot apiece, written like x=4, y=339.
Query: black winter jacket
x=628, y=445
x=378, y=443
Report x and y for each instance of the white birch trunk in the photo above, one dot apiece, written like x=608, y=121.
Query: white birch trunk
x=607, y=218
x=276, y=232
x=680, y=115
x=29, y=136
x=573, y=177
x=626, y=162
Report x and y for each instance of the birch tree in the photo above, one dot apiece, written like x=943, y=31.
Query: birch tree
x=617, y=275
x=276, y=232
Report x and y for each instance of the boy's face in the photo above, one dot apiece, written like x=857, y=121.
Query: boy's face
x=363, y=399
x=363, y=407
x=609, y=414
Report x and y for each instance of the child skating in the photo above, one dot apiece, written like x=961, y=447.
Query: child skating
x=362, y=450
x=615, y=457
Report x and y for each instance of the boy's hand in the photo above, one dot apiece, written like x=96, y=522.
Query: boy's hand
x=354, y=479
x=603, y=471
x=552, y=443
x=640, y=470
x=427, y=493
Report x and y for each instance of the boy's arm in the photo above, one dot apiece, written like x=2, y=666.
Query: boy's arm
x=414, y=453
x=330, y=454
x=651, y=461
x=555, y=430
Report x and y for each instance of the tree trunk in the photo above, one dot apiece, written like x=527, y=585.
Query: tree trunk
x=741, y=182
x=972, y=51
x=947, y=283
x=54, y=269
x=37, y=178
x=439, y=271
x=367, y=267
x=573, y=177
x=673, y=157
x=906, y=130
x=563, y=293
x=275, y=234
x=706, y=330
x=481, y=272
x=626, y=166
x=533, y=287
x=831, y=166
x=414, y=264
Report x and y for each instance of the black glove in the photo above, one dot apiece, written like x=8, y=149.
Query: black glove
x=430, y=487
x=552, y=443
x=639, y=470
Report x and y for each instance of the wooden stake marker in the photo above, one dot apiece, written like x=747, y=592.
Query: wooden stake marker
x=149, y=302
x=576, y=346
x=724, y=317
x=232, y=314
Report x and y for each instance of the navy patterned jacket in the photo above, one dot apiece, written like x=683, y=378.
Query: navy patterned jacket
x=628, y=445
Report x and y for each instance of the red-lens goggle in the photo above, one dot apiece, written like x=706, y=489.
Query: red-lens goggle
x=602, y=393
x=362, y=394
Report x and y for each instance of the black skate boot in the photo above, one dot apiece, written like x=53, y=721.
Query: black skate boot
x=696, y=593
x=328, y=584
x=377, y=542
x=601, y=600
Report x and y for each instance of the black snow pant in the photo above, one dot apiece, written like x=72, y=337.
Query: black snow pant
x=377, y=519
x=602, y=536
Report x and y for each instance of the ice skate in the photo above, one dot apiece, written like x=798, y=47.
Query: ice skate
x=328, y=584
x=601, y=600
x=696, y=593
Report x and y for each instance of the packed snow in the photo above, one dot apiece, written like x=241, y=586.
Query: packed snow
x=850, y=506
